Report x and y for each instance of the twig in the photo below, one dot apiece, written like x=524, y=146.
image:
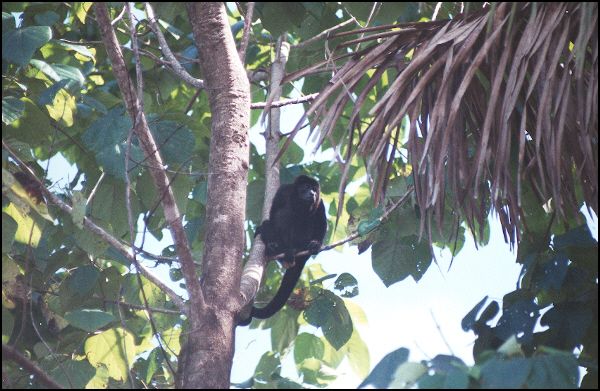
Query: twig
x=285, y=102
x=441, y=334
x=31, y=367
x=324, y=33
x=175, y=66
x=246, y=35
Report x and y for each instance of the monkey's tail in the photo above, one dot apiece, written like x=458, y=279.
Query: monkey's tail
x=290, y=278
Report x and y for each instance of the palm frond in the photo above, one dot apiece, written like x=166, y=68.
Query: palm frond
x=495, y=100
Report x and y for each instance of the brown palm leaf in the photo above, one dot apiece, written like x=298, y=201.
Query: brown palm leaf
x=493, y=101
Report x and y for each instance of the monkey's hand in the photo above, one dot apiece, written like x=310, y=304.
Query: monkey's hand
x=314, y=247
x=289, y=261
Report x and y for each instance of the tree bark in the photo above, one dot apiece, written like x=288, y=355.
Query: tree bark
x=210, y=345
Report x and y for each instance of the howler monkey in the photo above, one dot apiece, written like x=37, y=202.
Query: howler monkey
x=296, y=223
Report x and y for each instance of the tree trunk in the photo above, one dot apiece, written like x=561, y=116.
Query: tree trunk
x=209, y=349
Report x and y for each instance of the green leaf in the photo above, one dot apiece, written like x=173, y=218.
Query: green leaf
x=29, y=230
x=347, y=284
x=32, y=127
x=358, y=355
x=470, y=319
x=364, y=227
x=395, y=257
x=8, y=323
x=330, y=313
x=151, y=365
x=89, y=319
x=254, y=200
x=81, y=10
x=407, y=374
x=83, y=280
x=308, y=346
x=555, y=370
x=381, y=376
x=505, y=373
x=284, y=329
x=19, y=45
x=114, y=349
x=81, y=49
x=47, y=18
x=133, y=294
x=79, y=206
x=70, y=73
x=8, y=22
x=9, y=229
x=268, y=365
x=278, y=17
x=175, y=141
x=456, y=379
x=12, y=109
x=74, y=374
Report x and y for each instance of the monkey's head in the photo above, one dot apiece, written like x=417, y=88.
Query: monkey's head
x=307, y=192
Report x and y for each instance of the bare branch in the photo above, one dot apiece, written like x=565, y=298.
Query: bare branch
x=247, y=26
x=324, y=34
x=130, y=217
x=31, y=367
x=176, y=67
x=254, y=269
x=285, y=102
x=148, y=144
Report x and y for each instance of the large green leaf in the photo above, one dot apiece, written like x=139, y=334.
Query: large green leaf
x=396, y=257
x=19, y=45
x=330, y=313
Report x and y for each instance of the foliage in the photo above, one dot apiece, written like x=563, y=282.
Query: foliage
x=62, y=284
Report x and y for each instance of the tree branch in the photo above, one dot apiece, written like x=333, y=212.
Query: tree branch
x=176, y=67
x=31, y=367
x=97, y=230
x=161, y=180
x=285, y=102
x=246, y=35
x=254, y=269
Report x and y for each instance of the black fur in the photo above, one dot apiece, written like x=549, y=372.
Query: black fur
x=296, y=223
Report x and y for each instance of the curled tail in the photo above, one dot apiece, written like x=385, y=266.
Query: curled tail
x=290, y=278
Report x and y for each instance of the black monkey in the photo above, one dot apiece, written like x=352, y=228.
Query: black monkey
x=296, y=223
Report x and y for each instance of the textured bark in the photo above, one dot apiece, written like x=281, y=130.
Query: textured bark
x=209, y=349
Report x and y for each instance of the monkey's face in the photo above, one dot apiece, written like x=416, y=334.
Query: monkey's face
x=308, y=194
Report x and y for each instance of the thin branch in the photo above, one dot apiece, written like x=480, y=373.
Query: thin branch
x=31, y=367
x=130, y=218
x=246, y=35
x=97, y=230
x=143, y=307
x=148, y=144
x=324, y=33
x=285, y=102
x=440, y=330
x=175, y=66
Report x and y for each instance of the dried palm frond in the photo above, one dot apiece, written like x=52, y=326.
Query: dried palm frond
x=494, y=101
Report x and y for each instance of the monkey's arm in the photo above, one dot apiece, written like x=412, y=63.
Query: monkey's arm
x=319, y=227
